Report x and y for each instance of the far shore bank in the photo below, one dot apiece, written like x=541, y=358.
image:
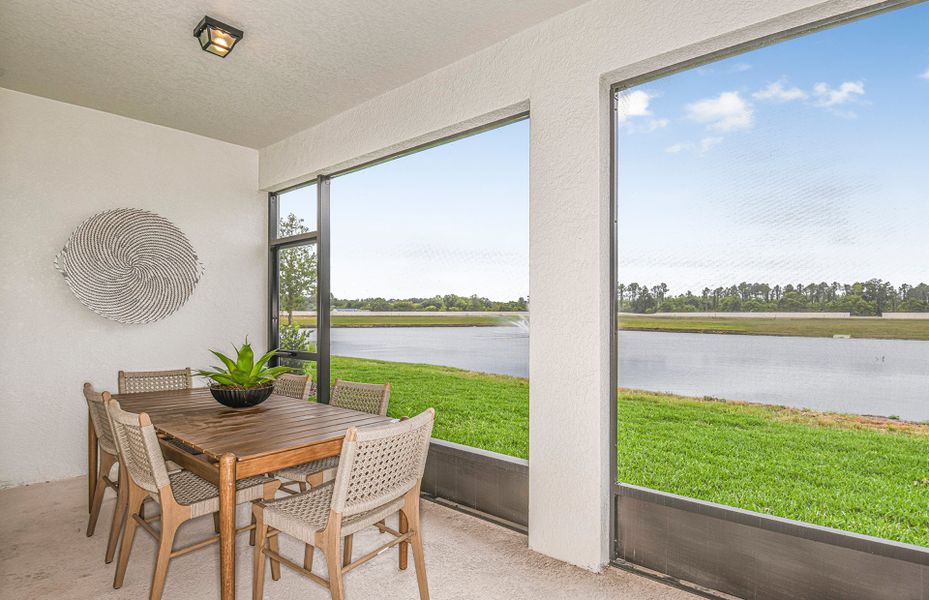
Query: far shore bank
x=854, y=327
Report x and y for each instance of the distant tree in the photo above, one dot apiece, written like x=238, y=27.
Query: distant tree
x=297, y=281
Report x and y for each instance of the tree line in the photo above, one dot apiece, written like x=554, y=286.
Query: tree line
x=446, y=303
x=862, y=298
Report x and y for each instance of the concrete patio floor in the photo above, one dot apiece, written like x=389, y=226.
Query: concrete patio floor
x=45, y=554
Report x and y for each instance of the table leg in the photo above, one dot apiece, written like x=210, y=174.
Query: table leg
x=91, y=462
x=227, y=526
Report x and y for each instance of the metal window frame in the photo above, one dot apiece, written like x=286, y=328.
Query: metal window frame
x=321, y=237
x=676, y=66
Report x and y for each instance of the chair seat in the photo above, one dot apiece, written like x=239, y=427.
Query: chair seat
x=302, y=515
x=301, y=472
x=203, y=497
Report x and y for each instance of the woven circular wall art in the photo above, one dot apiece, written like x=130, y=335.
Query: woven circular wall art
x=130, y=265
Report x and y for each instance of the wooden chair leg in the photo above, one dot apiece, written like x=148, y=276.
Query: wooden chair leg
x=119, y=513
x=169, y=524
x=107, y=461
x=402, y=546
x=302, y=486
x=411, y=508
x=275, y=564
x=136, y=497
x=268, y=493
x=258, y=567
x=308, y=557
x=216, y=522
x=347, y=551
x=332, y=562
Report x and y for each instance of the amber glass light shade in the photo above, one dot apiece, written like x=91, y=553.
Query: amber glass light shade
x=216, y=37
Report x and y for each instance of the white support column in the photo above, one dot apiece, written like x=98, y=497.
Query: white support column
x=569, y=286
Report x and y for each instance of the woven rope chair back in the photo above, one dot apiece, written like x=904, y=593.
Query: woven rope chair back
x=138, y=448
x=381, y=464
x=96, y=404
x=134, y=382
x=294, y=386
x=365, y=397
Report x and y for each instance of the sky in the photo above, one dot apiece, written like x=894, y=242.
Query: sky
x=807, y=160
x=803, y=161
x=453, y=219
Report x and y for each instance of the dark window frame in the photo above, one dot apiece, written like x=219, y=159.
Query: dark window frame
x=613, y=490
x=319, y=238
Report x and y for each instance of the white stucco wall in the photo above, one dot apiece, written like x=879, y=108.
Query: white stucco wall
x=562, y=70
x=59, y=164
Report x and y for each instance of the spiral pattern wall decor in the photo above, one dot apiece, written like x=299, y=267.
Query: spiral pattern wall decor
x=130, y=265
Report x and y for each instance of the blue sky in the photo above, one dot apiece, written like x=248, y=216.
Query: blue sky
x=806, y=160
x=802, y=161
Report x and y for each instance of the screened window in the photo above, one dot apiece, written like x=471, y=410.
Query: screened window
x=772, y=283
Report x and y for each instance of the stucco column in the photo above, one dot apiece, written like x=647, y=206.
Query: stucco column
x=569, y=286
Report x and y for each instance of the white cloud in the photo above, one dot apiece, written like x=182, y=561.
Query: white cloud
x=777, y=92
x=740, y=67
x=727, y=112
x=633, y=104
x=826, y=96
x=702, y=147
x=679, y=147
x=925, y=74
x=708, y=143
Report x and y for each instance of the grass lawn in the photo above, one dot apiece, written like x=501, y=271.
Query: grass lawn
x=896, y=329
x=868, y=476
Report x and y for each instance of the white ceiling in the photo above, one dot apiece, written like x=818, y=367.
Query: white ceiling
x=301, y=61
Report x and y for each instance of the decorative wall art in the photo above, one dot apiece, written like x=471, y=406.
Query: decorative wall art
x=130, y=265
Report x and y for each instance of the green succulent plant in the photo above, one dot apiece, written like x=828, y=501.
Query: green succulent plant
x=243, y=372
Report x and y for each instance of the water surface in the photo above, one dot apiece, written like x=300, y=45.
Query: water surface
x=877, y=377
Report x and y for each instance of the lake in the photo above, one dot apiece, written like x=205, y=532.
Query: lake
x=877, y=377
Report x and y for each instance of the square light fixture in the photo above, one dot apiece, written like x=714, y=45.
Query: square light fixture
x=216, y=37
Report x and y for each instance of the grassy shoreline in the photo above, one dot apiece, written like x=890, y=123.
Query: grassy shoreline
x=861, y=474
x=870, y=328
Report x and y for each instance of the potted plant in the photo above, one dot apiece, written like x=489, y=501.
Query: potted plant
x=243, y=382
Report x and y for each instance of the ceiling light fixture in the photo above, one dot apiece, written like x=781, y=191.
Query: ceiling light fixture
x=216, y=37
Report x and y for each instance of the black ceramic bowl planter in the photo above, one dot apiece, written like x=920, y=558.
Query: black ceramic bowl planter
x=241, y=397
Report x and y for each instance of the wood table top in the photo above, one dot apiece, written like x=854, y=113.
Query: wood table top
x=279, y=423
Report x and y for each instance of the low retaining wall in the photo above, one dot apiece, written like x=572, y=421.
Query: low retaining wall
x=487, y=482
x=752, y=555
x=899, y=315
x=745, y=315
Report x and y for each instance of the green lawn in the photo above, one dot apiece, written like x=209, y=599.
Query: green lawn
x=869, y=476
x=897, y=329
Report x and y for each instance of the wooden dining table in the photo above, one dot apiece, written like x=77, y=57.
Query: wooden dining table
x=223, y=445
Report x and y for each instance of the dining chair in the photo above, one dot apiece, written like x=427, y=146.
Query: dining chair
x=364, y=397
x=133, y=382
x=106, y=445
x=136, y=382
x=380, y=473
x=295, y=386
x=182, y=495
